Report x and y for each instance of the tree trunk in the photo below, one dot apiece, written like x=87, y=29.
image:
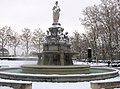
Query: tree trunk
x=27, y=48
x=110, y=47
x=2, y=48
x=39, y=45
x=14, y=51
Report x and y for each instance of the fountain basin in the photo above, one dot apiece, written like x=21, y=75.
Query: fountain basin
x=100, y=74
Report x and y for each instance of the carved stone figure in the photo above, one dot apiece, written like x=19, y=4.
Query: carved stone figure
x=56, y=13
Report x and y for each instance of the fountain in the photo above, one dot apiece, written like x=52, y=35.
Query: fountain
x=55, y=62
x=56, y=57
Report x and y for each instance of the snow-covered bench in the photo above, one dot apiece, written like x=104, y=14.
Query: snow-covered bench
x=16, y=84
x=105, y=84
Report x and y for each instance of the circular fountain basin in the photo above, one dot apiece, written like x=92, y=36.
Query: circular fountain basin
x=95, y=73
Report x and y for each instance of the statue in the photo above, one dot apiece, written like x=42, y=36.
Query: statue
x=56, y=14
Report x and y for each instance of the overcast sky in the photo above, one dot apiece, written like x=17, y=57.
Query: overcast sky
x=35, y=14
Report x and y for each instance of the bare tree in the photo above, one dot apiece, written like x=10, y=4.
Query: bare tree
x=102, y=22
x=26, y=39
x=37, y=39
x=76, y=41
x=80, y=43
x=14, y=41
x=90, y=21
x=5, y=33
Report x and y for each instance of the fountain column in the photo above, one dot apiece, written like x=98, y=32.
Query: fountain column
x=42, y=59
x=62, y=58
x=50, y=59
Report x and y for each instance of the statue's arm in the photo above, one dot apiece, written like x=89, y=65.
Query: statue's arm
x=54, y=8
x=59, y=9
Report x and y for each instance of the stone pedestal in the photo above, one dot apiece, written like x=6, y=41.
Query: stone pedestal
x=56, y=48
x=105, y=84
x=16, y=84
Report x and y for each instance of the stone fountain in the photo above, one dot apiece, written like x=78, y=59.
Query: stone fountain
x=55, y=62
x=56, y=57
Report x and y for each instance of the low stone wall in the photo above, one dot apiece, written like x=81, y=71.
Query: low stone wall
x=105, y=84
x=16, y=84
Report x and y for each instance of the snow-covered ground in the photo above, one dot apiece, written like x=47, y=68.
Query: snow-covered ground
x=6, y=63
x=91, y=64
x=4, y=87
x=49, y=85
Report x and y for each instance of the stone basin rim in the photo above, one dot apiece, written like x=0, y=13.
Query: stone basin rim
x=58, y=78
x=50, y=66
x=113, y=70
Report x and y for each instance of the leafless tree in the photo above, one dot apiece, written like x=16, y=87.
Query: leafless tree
x=90, y=21
x=78, y=44
x=26, y=39
x=38, y=38
x=14, y=41
x=102, y=23
x=5, y=33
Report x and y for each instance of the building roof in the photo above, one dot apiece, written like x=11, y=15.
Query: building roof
x=4, y=50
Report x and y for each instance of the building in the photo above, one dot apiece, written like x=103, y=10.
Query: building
x=4, y=52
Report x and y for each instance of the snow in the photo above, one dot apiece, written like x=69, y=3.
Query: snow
x=79, y=85
x=14, y=81
x=4, y=87
x=7, y=63
x=108, y=80
x=50, y=85
x=91, y=64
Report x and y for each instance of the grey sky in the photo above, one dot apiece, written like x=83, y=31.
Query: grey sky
x=35, y=14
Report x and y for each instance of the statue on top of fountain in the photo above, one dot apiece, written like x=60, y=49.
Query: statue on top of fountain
x=55, y=33
x=56, y=14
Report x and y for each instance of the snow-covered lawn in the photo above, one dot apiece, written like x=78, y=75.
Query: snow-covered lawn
x=91, y=64
x=49, y=85
x=4, y=87
x=6, y=63
x=79, y=85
